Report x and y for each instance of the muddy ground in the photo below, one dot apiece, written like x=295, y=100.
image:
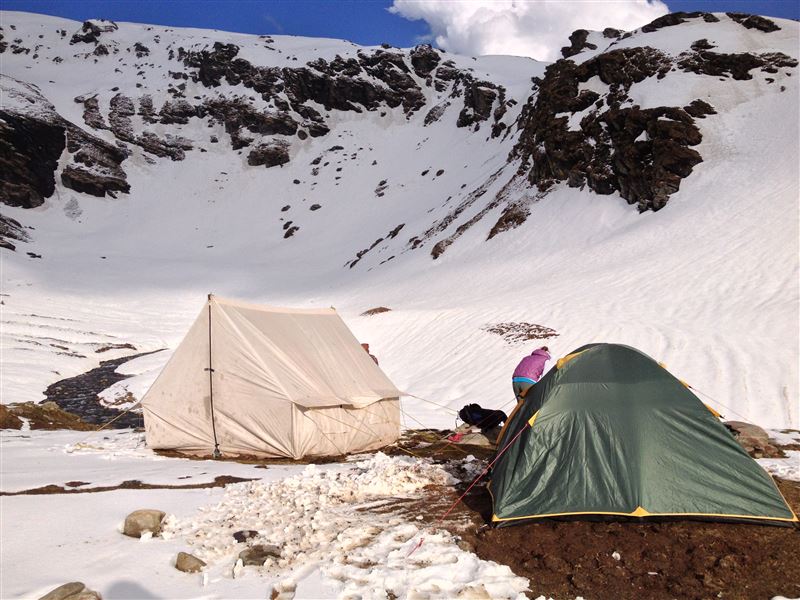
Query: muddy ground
x=566, y=559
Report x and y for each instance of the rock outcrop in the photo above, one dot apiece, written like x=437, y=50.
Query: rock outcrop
x=641, y=153
x=33, y=137
x=29, y=151
x=271, y=154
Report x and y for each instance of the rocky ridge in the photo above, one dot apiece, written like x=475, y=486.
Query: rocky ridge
x=581, y=126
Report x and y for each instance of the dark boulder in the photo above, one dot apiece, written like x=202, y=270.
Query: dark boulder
x=578, y=43
x=269, y=154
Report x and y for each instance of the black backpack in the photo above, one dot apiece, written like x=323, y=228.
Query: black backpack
x=485, y=418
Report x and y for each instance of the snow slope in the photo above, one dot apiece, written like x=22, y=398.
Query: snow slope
x=707, y=285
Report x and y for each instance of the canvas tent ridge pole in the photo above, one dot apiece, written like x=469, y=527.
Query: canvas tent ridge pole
x=217, y=453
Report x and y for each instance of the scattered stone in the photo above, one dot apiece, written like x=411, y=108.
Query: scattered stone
x=72, y=591
x=141, y=521
x=258, y=554
x=244, y=535
x=188, y=563
x=315, y=207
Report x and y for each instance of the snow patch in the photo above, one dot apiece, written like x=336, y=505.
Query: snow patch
x=322, y=519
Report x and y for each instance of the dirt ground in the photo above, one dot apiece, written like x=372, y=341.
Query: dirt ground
x=682, y=559
x=566, y=559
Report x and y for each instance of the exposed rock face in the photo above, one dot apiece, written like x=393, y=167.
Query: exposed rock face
x=96, y=166
x=424, y=59
x=142, y=521
x=29, y=153
x=237, y=114
x=578, y=43
x=141, y=50
x=33, y=137
x=90, y=32
x=754, y=22
x=10, y=229
x=641, y=153
x=677, y=18
x=479, y=99
x=271, y=154
x=737, y=66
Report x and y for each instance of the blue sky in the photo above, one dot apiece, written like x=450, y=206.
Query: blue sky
x=365, y=22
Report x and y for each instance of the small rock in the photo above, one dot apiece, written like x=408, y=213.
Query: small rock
x=188, y=563
x=141, y=521
x=244, y=535
x=474, y=592
x=72, y=591
x=258, y=554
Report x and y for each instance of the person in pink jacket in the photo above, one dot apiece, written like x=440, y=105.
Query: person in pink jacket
x=529, y=371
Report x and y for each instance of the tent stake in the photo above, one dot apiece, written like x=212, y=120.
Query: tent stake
x=217, y=453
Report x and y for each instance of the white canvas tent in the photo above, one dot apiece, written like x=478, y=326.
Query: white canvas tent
x=271, y=382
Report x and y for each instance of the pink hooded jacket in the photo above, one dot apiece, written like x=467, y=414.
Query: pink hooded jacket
x=532, y=366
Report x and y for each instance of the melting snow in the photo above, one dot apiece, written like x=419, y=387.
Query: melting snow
x=321, y=519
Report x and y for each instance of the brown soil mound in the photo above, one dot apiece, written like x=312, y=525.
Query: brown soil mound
x=46, y=415
x=681, y=559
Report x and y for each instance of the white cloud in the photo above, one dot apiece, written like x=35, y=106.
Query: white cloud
x=537, y=28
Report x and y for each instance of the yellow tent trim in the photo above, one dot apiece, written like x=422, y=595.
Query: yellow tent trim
x=508, y=420
x=565, y=359
x=532, y=420
x=640, y=512
x=712, y=411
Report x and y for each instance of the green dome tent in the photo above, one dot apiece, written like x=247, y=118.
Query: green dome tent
x=610, y=431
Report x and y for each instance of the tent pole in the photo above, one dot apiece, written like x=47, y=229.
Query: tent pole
x=217, y=453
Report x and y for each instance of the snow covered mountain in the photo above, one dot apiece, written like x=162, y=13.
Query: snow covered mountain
x=643, y=190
